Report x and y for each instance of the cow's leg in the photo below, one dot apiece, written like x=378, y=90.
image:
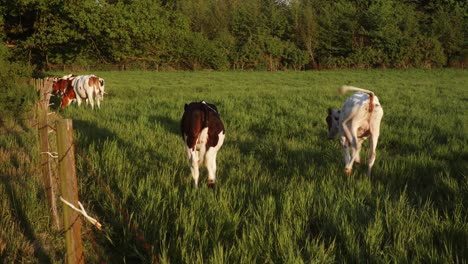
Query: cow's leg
x=345, y=146
x=210, y=162
x=188, y=151
x=354, y=148
x=346, y=127
x=375, y=132
x=193, y=155
x=347, y=141
x=201, y=143
x=201, y=154
x=78, y=100
x=65, y=101
x=373, y=146
x=91, y=100
x=357, y=159
x=98, y=99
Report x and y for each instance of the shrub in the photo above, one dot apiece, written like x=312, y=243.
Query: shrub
x=16, y=96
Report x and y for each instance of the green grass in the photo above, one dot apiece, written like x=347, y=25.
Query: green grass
x=281, y=195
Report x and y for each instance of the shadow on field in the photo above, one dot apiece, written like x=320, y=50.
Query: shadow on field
x=97, y=136
x=286, y=161
x=170, y=125
x=93, y=133
x=22, y=220
x=441, y=183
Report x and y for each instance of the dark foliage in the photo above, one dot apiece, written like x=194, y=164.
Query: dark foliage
x=226, y=34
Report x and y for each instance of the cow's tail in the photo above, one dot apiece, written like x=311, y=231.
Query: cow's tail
x=346, y=88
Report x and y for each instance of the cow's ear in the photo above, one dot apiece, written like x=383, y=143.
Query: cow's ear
x=185, y=106
x=329, y=111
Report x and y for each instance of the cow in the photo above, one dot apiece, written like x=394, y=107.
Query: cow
x=203, y=134
x=59, y=85
x=357, y=120
x=87, y=87
x=64, y=87
x=83, y=87
x=68, y=96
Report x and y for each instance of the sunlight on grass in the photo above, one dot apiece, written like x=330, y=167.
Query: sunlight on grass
x=282, y=196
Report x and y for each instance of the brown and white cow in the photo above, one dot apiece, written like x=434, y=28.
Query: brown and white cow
x=83, y=87
x=60, y=84
x=203, y=133
x=64, y=88
x=68, y=96
x=357, y=120
x=87, y=87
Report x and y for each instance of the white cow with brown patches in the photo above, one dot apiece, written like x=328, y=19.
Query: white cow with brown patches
x=357, y=120
x=88, y=87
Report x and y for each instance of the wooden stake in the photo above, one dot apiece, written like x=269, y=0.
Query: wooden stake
x=43, y=129
x=69, y=188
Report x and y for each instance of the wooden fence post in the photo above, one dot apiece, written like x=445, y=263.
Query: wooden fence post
x=69, y=188
x=43, y=129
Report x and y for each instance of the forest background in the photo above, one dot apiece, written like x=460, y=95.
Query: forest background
x=235, y=34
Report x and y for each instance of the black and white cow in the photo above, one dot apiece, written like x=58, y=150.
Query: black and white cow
x=358, y=119
x=203, y=133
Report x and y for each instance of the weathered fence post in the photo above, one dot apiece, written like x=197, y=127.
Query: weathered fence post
x=69, y=188
x=43, y=129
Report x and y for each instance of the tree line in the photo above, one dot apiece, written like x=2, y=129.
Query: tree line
x=236, y=34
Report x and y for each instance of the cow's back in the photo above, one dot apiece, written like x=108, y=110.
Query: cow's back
x=191, y=124
x=198, y=116
x=93, y=81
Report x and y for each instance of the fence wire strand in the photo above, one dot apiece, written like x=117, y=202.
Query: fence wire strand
x=91, y=232
x=122, y=211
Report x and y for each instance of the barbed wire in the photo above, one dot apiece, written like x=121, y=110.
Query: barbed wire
x=139, y=235
x=123, y=212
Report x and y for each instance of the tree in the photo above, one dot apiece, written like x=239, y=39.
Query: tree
x=15, y=96
x=305, y=26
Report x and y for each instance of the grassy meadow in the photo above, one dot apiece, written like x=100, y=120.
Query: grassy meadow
x=281, y=194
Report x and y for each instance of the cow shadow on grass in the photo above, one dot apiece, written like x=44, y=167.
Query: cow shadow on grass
x=96, y=136
x=440, y=181
x=438, y=185
x=285, y=161
x=170, y=125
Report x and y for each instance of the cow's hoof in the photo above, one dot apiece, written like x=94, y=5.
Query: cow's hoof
x=348, y=172
x=211, y=184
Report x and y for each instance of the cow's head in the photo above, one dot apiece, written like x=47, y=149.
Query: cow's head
x=100, y=89
x=55, y=87
x=333, y=119
x=60, y=86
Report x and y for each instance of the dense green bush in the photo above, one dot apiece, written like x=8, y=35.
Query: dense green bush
x=16, y=96
x=252, y=34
